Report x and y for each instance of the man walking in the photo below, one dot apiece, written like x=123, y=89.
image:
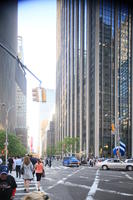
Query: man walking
x=7, y=184
x=18, y=163
x=10, y=164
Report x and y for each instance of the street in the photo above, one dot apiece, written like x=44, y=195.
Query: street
x=82, y=183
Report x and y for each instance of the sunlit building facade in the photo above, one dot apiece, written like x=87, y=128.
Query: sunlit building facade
x=94, y=74
x=21, y=126
x=46, y=112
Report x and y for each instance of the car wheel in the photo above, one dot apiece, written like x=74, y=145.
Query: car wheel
x=129, y=168
x=104, y=167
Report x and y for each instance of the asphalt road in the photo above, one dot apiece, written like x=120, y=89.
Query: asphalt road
x=86, y=183
x=83, y=183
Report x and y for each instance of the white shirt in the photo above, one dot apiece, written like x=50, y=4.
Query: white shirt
x=18, y=161
x=1, y=161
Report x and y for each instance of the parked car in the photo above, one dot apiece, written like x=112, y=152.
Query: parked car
x=71, y=161
x=101, y=159
x=129, y=160
x=115, y=164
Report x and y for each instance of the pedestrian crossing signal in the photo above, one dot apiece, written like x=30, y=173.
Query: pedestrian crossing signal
x=35, y=94
x=39, y=94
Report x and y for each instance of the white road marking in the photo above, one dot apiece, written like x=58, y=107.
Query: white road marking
x=19, y=189
x=129, y=177
x=49, y=179
x=98, y=189
x=106, y=180
x=94, y=187
x=76, y=185
x=62, y=181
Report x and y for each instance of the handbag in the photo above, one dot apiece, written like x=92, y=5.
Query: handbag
x=43, y=173
x=22, y=170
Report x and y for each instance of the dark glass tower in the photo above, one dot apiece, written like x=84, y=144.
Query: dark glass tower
x=94, y=74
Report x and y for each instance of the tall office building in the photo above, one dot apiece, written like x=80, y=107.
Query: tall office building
x=12, y=76
x=21, y=126
x=94, y=74
x=50, y=137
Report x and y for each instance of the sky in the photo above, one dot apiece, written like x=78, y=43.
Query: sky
x=37, y=26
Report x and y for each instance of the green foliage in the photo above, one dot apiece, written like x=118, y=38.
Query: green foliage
x=68, y=145
x=59, y=148
x=51, y=151
x=71, y=144
x=15, y=147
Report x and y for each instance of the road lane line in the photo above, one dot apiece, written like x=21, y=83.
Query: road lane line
x=77, y=185
x=94, y=187
x=62, y=180
x=129, y=177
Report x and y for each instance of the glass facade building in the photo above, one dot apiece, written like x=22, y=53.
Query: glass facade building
x=94, y=74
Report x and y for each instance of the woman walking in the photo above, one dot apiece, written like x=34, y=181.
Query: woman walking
x=39, y=170
x=27, y=169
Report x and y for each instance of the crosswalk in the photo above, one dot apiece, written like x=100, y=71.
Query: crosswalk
x=20, y=193
x=20, y=188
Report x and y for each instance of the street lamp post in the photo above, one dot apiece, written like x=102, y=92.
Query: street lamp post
x=116, y=125
x=6, y=142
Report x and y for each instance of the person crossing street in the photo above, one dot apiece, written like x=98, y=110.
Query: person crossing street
x=27, y=172
x=39, y=170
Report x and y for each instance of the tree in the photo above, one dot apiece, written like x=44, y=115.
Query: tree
x=68, y=145
x=15, y=147
x=51, y=151
x=58, y=148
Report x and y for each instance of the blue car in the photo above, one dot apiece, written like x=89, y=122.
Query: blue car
x=71, y=161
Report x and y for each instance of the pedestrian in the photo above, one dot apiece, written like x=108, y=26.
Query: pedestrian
x=36, y=196
x=10, y=164
x=46, y=162
x=49, y=162
x=27, y=167
x=7, y=184
x=39, y=170
x=34, y=161
x=91, y=162
x=18, y=163
x=1, y=161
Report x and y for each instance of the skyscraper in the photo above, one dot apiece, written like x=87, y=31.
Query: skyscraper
x=12, y=76
x=94, y=74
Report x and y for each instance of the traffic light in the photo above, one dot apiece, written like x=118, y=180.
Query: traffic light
x=43, y=93
x=112, y=127
x=35, y=94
